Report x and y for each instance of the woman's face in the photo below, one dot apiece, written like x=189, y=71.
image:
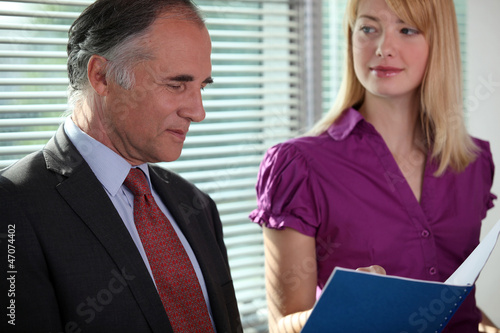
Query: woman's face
x=390, y=56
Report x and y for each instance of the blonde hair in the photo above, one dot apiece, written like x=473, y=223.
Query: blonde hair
x=441, y=105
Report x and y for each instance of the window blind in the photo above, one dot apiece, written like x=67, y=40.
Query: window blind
x=254, y=102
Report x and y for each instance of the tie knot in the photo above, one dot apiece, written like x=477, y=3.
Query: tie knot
x=137, y=183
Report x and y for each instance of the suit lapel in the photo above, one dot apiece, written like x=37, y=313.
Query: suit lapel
x=85, y=194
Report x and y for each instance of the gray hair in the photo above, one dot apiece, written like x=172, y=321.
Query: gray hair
x=115, y=30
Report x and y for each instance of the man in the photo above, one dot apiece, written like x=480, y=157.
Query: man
x=86, y=253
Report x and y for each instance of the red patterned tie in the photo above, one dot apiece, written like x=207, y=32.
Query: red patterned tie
x=175, y=278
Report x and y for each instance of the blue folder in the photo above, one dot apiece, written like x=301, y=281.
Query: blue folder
x=360, y=302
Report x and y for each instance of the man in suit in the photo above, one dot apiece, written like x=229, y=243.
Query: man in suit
x=79, y=260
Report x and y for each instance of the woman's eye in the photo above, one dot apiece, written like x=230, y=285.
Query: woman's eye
x=410, y=31
x=367, y=29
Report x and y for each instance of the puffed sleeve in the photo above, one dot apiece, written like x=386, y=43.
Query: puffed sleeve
x=285, y=191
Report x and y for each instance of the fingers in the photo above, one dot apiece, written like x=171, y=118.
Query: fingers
x=373, y=269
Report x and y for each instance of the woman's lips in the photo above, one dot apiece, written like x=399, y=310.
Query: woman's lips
x=382, y=71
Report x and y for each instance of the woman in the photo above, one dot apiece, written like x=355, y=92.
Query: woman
x=388, y=177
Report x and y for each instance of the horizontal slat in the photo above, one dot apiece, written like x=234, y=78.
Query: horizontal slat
x=254, y=46
x=213, y=163
x=38, y=13
x=34, y=82
x=222, y=92
x=246, y=274
x=214, y=140
x=59, y=2
x=35, y=27
x=237, y=126
x=249, y=296
x=292, y=102
x=229, y=188
x=243, y=114
x=252, y=308
x=33, y=40
x=255, y=261
x=250, y=23
x=32, y=54
x=252, y=69
x=220, y=151
x=33, y=107
x=228, y=209
x=228, y=175
x=253, y=323
x=248, y=11
x=19, y=150
x=34, y=95
x=245, y=229
x=230, y=196
x=249, y=284
x=279, y=33
x=253, y=57
x=31, y=121
x=17, y=136
x=226, y=193
x=237, y=219
x=236, y=243
x=32, y=68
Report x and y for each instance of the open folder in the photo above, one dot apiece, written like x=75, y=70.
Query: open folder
x=354, y=301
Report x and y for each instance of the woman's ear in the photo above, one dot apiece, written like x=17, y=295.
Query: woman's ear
x=96, y=73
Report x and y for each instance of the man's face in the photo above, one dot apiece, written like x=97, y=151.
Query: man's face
x=149, y=122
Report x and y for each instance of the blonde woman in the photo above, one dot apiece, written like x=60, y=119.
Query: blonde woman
x=389, y=177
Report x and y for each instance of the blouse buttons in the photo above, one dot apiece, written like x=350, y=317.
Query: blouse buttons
x=425, y=233
x=432, y=271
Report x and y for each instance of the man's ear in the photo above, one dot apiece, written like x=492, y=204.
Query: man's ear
x=96, y=72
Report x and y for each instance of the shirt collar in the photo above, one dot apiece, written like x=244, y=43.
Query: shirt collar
x=110, y=168
x=345, y=124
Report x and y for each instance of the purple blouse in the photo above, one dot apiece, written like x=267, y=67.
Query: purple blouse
x=344, y=188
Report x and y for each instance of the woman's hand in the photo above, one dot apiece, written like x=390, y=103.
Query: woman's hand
x=487, y=325
x=373, y=269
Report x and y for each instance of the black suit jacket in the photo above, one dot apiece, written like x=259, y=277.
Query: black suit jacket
x=76, y=267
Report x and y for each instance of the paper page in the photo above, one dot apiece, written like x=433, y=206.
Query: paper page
x=468, y=272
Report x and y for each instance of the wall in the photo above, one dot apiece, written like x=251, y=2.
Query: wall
x=483, y=100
